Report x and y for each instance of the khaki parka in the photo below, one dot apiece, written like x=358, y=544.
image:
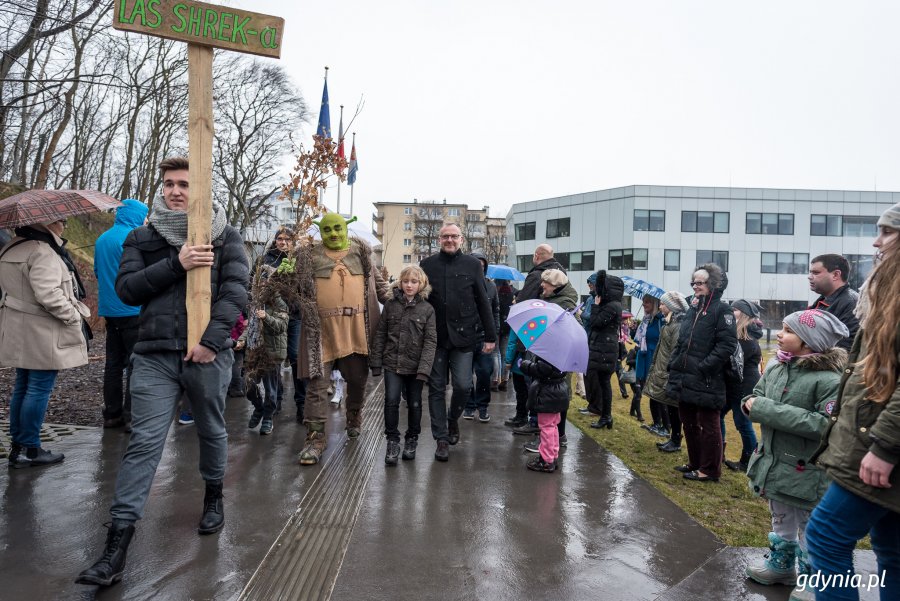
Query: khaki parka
x=40, y=314
x=659, y=368
x=791, y=406
x=859, y=425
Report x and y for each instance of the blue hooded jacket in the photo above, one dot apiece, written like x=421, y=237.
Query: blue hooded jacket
x=108, y=251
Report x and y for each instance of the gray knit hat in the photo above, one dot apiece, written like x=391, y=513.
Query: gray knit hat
x=675, y=301
x=818, y=329
x=891, y=217
x=554, y=277
x=750, y=309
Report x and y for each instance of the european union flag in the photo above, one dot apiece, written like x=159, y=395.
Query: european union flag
x=324, y=128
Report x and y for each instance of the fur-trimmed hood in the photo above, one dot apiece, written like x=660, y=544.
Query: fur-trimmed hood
x=718, y=280
x=397, y=291
x=834, y=359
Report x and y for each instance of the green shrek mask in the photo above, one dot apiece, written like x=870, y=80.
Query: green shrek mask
x=334, y=232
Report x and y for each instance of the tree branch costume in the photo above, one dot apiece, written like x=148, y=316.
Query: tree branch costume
x=339, y=291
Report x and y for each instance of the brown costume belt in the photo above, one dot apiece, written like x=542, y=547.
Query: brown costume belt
x=340, y=311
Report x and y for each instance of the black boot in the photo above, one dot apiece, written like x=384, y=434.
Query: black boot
x=636, y=408
x=739, y=466
x=453, y=431
x=14, y=452
x=213, y=509
x=108, y=569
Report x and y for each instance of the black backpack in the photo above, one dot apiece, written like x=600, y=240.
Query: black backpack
x=735, y=366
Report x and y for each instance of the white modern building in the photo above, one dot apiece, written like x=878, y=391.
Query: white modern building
x=764, y=238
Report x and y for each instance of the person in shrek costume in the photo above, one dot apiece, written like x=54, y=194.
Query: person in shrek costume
x=339, y=289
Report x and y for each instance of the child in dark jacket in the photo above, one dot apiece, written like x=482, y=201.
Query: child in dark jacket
x=548, y=396
x=265, y=341
x=404, y=346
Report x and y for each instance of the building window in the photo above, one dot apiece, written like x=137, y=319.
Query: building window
x=407, y=242
x=453, y=212
x=524, y=263
x=784, y=263
x=407, y=210
x=649, y=221
x=576, y=261
x=770, y=223
x=628, y=258
x=704, y=222
x=558, y=228
x=525, y=231
x=719, y=257
x=407, y=258
x=826, y=225
x=860, y=227
x=672, y=260
x=407, y=227
x=860, y=268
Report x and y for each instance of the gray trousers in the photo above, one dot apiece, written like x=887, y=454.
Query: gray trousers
x=158, y=381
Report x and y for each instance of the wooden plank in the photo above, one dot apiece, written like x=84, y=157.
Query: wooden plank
x=202, y=23
x=200, y=142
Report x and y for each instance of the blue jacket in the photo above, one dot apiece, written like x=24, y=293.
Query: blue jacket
x=644, y=358
x=108, y=251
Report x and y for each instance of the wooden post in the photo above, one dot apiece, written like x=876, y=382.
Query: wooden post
x=203, y=26
x=200, y=142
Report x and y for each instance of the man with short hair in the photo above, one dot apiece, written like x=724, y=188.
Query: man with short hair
x=542, y=260
x=460, y=301
x=828, y=275
x=121, y=319
x=153, y=275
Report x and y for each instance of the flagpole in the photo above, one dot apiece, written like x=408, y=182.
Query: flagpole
x=340, y=141
x=351, y=185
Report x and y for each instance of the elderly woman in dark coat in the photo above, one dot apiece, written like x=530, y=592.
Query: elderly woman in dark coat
x=696, y=372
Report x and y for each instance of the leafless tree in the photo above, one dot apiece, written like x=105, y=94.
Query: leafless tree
x=427, y=222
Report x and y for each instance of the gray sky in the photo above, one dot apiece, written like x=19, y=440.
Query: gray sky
x=493, y=102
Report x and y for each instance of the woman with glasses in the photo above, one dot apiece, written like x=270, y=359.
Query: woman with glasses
x=696, y=372
x=41, y=331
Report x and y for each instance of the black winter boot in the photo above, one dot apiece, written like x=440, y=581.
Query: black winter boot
x=14, y=451
x=213, y=509
x=108, y=569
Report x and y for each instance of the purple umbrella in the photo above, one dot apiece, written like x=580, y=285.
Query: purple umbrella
x=551, y=333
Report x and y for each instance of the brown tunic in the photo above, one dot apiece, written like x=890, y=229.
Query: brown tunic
x=341, y=311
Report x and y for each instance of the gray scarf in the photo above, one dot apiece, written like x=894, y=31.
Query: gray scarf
x=173, y=226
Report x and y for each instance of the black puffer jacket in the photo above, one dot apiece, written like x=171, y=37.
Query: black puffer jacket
x=606, y=319
x=460, y=300
x=531, y=287
x=151, y=276
x=549, y=389
x=705, y=344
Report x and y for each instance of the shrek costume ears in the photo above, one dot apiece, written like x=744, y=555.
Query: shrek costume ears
x=333, y=229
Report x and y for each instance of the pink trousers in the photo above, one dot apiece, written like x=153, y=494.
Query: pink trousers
x=549, y=447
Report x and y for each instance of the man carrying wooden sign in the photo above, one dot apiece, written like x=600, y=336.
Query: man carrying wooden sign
x=189, y=273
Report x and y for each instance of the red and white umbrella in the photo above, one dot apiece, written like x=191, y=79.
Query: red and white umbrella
x=47, y=206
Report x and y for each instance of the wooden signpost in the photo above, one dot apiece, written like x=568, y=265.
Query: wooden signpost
x=204, y=27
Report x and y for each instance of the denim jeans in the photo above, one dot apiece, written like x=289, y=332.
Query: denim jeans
x=265, y=404
x=121, y=336
x=483, y=365
x=411, y=389
x=28, y=405
x=449, y=365
x=837, y=523
x=742, y=424
x=157, y=385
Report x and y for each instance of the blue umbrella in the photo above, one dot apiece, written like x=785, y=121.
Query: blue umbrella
x=504, y=272
x=639, y=288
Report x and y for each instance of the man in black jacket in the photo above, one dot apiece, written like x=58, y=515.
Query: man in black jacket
x=828, y=275
x=153, y=275
x=461, y=304
x=542, y=260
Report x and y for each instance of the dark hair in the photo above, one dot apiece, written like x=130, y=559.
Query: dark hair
x=172, y=164
x=833, y=263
